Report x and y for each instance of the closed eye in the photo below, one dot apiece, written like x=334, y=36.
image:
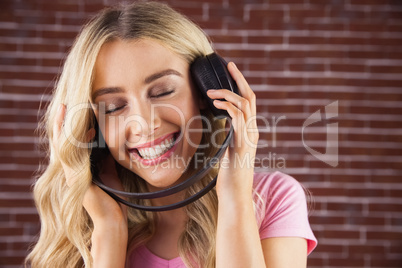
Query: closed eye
x=163, y=94
x=113, y=108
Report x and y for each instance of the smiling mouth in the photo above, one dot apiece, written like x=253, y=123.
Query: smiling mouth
x=158, y=150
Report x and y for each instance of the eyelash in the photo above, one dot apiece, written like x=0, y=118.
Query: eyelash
x=156, y=96
x=165, y=93
x=114, y=110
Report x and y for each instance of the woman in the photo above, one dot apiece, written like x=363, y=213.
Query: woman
x=129, y=72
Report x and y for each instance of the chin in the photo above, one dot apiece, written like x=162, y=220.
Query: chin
x=163, y=178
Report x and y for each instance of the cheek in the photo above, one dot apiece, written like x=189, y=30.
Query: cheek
x=112, y=133
x=194, y=127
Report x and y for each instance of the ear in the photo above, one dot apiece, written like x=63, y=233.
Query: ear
x=91, y=134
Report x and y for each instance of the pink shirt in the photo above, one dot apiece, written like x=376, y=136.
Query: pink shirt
x=281, y=212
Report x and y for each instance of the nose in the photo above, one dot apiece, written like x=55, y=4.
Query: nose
x=141, y=123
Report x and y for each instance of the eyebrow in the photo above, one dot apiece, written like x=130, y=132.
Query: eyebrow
x=106, y=90
x=163, y=73
x=147, y=80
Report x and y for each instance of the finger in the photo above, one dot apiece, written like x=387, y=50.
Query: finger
x=238, y=101
x=242, y=84
x=240, y=124
x=236, y=115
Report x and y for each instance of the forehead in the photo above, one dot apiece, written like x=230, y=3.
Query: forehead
x=120, y=62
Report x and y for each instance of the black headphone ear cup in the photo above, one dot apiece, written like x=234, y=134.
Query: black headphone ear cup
x=219, y=66
x=209, y=72
x=204, y=79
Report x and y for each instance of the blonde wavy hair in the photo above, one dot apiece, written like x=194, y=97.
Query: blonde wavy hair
x=65, y=236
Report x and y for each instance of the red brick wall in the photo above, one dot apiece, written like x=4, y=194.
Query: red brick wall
x=299, y=56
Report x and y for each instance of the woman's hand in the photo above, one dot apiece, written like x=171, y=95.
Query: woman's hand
x=237, y=241
x=110, y=235
x=237, y=166
x=99, y=205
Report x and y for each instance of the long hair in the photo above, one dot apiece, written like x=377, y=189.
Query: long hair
x=65, y=237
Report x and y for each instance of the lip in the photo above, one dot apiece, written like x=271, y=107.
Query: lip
x=155, y=141
x=151, y=162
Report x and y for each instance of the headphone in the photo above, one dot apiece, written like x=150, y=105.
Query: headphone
x=208, y=72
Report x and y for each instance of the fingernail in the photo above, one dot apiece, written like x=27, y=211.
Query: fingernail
x=234, y=65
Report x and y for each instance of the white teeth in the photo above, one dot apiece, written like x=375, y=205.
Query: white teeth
x=157, y=150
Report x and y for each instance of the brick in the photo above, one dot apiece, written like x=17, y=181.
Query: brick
x=91, y=7
x=226, y=39
x=20, y=33
x=32, y=218
x=394, y=28
x=18, y=61
x=383, y=262
x=392, y=207
x=21, y=246
x=374, y=138
x=325, y=2
x=308, y=40
x=323, y=248
x=327, y=220
x=262, y=12
x=395, y=192
x=16, y=187
x=26, y=90
x=314, y=262
x=385, y=69
x=341, y=234
x=194, y=11
x=380, y=54
x=307, y=13
x=347, y=207
x=28, y=75
x=28, y=18
x=367, y=26
x=11, y=231
x=5, y=218
x=32, y=47
x=13, y=260
x=358, y=220
x=384, y=235
x=327, y=191
x=15, y=203
x=8, y=47
x=237, y=24
x=376, y=110
x=265, y=40
x=338, y=67
x=286, y=1
x=222, y=12
x=352, y=15
x=57, y=35
x=346, y=262
x=59, y=6
x=326, y=26
x=237, y=53
x=292, y=25
x=271, y=66
x=307, y=67
x=368, y=3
